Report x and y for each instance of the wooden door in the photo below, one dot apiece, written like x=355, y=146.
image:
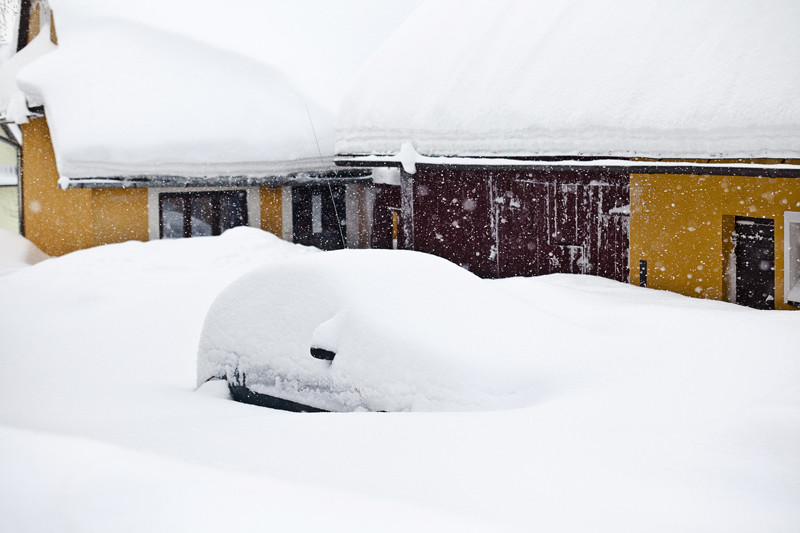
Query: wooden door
x=570, y=224
x=755, y=262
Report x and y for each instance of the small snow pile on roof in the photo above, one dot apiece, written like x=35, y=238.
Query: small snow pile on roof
x=657, y=78
x=386, y=176
x=16, y=251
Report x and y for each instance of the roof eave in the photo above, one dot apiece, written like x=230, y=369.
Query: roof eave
x=552, y=163
x=159, y=181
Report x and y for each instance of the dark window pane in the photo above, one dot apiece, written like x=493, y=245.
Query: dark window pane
x=232, y=210
x=202, y=216
x=197, y=214
x=316, y=213
x=317, y=220
x=172, y=218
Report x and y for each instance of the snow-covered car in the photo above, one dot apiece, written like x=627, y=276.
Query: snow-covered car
x=375, y=330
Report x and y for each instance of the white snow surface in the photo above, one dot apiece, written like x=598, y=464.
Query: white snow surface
x=655, y=78
x=199, y=89
x=16, y=252
x=13, y=103
x=656, y=412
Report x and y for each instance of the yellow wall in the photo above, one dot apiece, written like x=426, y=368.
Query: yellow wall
x=61, y=221
x=271, y=213
x=56, y=221
x=35, y=24
x=681, y=225
x=119, y=215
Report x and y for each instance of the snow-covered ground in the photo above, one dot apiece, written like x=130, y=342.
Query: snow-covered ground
x=17, y=252
x=690, y=422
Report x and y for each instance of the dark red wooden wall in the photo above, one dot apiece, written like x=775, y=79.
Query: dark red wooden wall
x=501, y=223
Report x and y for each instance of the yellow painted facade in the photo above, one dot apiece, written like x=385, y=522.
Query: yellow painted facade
x=271, y=213
x=682, y=226
x=61, y=221
x=56, y=221
x=119, y=215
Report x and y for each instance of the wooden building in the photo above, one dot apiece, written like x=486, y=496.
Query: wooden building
x=606, y=140
x=723, y=230
x=517, y=220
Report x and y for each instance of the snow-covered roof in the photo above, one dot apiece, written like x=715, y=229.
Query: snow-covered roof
x=624, y=78
x=198, y=88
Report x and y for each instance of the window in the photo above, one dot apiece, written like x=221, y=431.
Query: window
x=319, y=216
x=197, y=214
x=791, y=257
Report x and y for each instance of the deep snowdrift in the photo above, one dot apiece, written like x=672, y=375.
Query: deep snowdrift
x=689, y=421
x=16, y=252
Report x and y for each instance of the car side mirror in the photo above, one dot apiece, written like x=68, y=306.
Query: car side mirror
x=322, y=353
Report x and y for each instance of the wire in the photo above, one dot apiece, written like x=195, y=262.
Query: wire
x=330, y=189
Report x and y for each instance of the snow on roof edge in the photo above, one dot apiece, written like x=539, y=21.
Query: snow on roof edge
x=247, y=169
x=408, y=160
x=752, y=143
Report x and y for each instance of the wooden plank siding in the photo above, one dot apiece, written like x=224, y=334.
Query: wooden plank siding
x=501, y=223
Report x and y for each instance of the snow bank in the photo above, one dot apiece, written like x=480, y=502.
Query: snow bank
x=16, y=251
x=689, y=420
x=151, y=493
x=654, y=78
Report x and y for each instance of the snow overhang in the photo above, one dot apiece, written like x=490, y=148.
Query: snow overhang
x=17, y=106
x=340, y=176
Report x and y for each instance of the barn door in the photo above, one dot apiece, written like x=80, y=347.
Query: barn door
x=546, y=227
x=755, y=262
x=568, y=217
x=521, y=227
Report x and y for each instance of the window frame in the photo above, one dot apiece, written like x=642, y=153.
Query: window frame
x=215, y=197
x=791, y=256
